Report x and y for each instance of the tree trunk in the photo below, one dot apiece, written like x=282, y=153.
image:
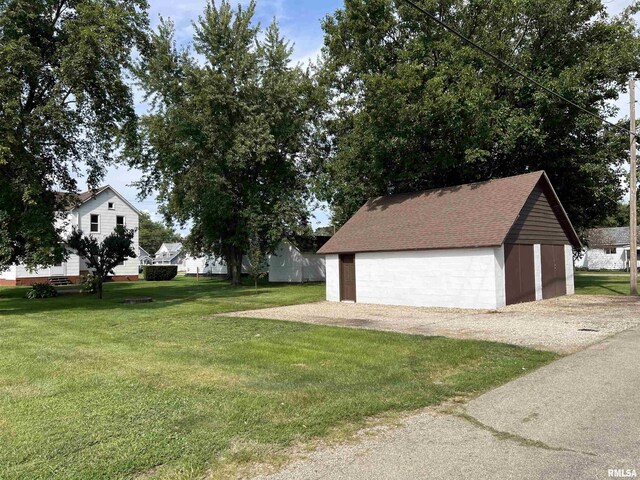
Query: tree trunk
x=227, y=257
x=235, y=264
x=99, y=288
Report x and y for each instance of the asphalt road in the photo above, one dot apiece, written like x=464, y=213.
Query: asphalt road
x=574, y=419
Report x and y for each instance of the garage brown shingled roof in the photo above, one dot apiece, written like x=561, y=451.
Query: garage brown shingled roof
x=473, y=215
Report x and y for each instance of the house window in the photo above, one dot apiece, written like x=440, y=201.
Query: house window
x=95, y=223
x=120, y=221
x=610, y=251
x=111, y=206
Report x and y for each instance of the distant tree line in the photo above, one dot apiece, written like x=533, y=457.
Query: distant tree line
x=153, y=234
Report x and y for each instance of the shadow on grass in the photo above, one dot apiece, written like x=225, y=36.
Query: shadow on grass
x=602, y=284
x=165, y=294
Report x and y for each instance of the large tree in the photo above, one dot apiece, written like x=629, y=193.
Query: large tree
x=411, y=107
x=223, y=140
x=65, y=108
x=153, y=234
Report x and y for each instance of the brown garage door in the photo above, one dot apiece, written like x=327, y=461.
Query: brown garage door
x=348, y=277
x=520, y=280
x=554, y=281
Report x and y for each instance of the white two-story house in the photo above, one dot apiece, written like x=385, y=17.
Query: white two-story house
x=95, y=212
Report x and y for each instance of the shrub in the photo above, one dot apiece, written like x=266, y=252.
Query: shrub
x=89, y=283
x=154, y=273
x=41, y=290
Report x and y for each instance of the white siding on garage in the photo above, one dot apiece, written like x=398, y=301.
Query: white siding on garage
x=100, y=206
x=333, y=277
x=463, y=278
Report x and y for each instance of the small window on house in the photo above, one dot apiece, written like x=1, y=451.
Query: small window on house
x=111, y=206
x=120, y=221
x=610, y=251
x=95, y=223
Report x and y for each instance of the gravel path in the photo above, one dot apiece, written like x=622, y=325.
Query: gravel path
x=564, y=325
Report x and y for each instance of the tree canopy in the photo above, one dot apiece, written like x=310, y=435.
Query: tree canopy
x=153, y=234
x=620, y=217
x=65, y=108
x=223, y=140
x=410, y=107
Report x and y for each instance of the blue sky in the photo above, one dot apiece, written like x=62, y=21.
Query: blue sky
x=299, y=22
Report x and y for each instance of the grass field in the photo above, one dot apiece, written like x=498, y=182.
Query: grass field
x=602, y=283
x=100, y=389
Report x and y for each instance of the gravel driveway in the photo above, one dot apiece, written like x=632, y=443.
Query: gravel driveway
x=564, y=325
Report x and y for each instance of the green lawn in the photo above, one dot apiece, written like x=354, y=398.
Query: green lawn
x=99, y=389
x=602, y=283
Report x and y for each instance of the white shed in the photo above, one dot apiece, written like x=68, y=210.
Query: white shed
x=297, y=260
x=481, y=245
x=204, y=265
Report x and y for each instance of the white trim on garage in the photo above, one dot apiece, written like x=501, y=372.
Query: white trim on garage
x=568, y=268
x=501, y=286
x=537, y=269
x=332, y=269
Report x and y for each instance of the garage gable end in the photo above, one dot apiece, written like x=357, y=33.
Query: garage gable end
x=542, y=220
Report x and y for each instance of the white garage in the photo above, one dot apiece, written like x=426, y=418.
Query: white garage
x=481, y=245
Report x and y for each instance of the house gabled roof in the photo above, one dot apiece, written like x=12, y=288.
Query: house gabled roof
x=465, y=216
x=172, y=247
x=74, y=200
x=608, y=237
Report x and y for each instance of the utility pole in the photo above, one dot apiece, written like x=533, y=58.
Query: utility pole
x=633, y=222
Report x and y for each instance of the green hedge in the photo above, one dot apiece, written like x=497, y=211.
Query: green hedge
x=154, y=273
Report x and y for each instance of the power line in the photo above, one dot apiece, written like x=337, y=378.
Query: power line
x=513, y=69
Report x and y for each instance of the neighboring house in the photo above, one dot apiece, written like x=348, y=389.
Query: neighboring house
x=294, y=261
x=481, y=245
x=144, y=258
x=297, y=260
x=209, y=265
x=205, y=265
x=170, y=254
x=608, y=249
x=95, y=212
